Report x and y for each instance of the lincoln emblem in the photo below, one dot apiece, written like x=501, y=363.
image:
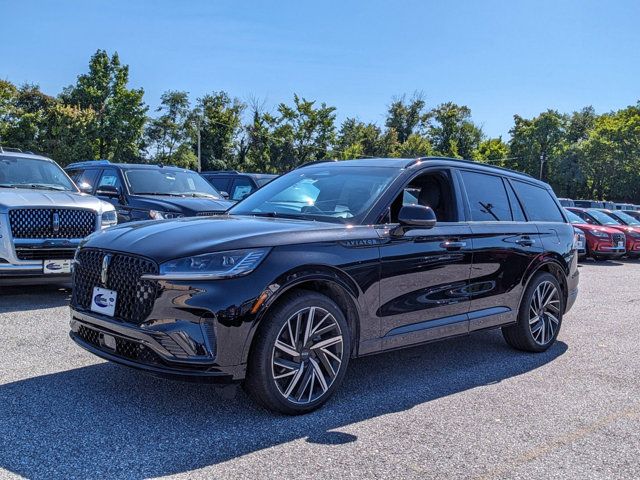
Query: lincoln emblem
x=104, y=274
x=55, y=222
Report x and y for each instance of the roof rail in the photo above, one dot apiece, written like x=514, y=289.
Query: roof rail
x=470, y=162
x=86, y=163
x=215, y=172
x=11, y=149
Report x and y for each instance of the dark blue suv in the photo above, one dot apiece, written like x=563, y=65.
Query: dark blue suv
x=144, y=192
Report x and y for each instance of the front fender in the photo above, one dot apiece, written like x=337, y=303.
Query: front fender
x=290, y=280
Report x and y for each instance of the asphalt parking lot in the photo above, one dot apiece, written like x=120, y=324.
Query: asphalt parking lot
x=468, y=407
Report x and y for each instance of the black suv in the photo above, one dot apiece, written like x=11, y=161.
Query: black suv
x=235, y=185
x=143, y=192
x=331, y=261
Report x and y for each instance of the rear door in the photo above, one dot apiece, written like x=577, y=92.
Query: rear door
x=504, y=246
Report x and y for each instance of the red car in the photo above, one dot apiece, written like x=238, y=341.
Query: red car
x=632, y=232
x=603, y=241
x=605, y=218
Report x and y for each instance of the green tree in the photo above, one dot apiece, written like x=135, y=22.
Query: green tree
x=120, y=113
x=220, y=119
x=415, y=146
x=541, y=139
x=451, y=131
x=358, y=139
x=491, y=150
x=407, y=117
x=169, y=137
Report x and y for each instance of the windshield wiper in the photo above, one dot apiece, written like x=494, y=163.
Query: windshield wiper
x=8, y=186
x=160, y=194
x=38, y=186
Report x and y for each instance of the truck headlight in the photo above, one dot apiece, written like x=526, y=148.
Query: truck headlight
x=211, y=266
x=160, y=215
x=108, y=219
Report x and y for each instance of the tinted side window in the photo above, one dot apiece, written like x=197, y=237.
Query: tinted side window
x=487, y=196
x=87, y=177
x=538, y=202
x=110, y=177
x=220, y=183
x=242, y=187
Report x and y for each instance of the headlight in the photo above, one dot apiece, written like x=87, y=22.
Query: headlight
x=633, y=234
x=233, y=263
x=109, y=219
x=599, y=234
x=159, y=215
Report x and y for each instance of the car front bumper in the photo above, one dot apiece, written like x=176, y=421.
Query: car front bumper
x=167, y=352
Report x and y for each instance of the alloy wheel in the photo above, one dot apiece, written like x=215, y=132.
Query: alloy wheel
x=307, y=355
x=544, y=313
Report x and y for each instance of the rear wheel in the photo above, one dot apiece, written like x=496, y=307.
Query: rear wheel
x=301, y=354
x=539, y=315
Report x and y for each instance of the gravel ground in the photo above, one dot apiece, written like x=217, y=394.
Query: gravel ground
x=468, y=407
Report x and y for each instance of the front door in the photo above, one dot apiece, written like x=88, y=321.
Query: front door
x=425, y=272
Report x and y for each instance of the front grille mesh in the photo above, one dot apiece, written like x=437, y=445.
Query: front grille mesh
x=51, y=223
x=208, y=214
x=135, y=296
x=45, y=254
x=125, y=348
x=618, y=237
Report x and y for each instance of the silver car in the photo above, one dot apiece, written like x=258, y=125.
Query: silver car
x=43, y=217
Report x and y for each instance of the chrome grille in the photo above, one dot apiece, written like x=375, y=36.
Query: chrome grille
x=618, y=237
x=135, y=296
x=208, y=214
x=51, y=223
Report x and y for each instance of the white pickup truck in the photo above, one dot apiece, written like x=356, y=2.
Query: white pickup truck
x=43, y=218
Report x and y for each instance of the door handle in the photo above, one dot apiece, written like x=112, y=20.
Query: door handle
x=453, y=244
x=525, y=241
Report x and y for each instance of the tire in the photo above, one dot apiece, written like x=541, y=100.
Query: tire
x=293, y=376
x=539, y=315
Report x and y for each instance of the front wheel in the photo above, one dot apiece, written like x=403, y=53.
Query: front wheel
x=300, y=355
x=539, y=315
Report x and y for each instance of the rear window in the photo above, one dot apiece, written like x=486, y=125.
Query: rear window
x=538, y=202
x=488, y=200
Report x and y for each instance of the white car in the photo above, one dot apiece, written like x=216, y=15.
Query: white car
x=43, y=218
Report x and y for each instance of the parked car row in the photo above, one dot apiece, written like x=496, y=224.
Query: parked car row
x=568, y=202
x=608, y=234
x=44, y=215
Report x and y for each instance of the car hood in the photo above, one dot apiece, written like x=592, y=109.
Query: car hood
x=587, y=227
x=167, y=239
x=185, y=205
x=29, y=198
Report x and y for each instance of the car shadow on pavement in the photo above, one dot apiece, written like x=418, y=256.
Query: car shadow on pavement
x=108, y=421
x=33, y=297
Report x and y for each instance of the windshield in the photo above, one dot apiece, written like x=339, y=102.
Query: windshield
x=626, y=218
x=602, y=218
x=169, y=182
x=327, y=193
x=24, y=172
x=573, y=218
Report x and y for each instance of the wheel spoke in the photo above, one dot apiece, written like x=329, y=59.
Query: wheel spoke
x=326, y=363
x=284, y=363
x=319, y=375
x=328, y=342
x=309, y=326
x=286, y=349
x=534, y=320
x=294, y=381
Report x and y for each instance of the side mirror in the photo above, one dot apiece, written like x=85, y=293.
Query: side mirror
x=85, y=187
x=414, y=216
x=108, y=191
x=225, y=195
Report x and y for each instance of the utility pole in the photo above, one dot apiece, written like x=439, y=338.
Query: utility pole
x=199, y=154
x=542, y=160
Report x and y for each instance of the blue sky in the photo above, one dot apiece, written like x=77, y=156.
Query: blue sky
x=497, y=57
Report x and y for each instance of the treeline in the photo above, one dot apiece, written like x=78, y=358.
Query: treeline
x=582, y=154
